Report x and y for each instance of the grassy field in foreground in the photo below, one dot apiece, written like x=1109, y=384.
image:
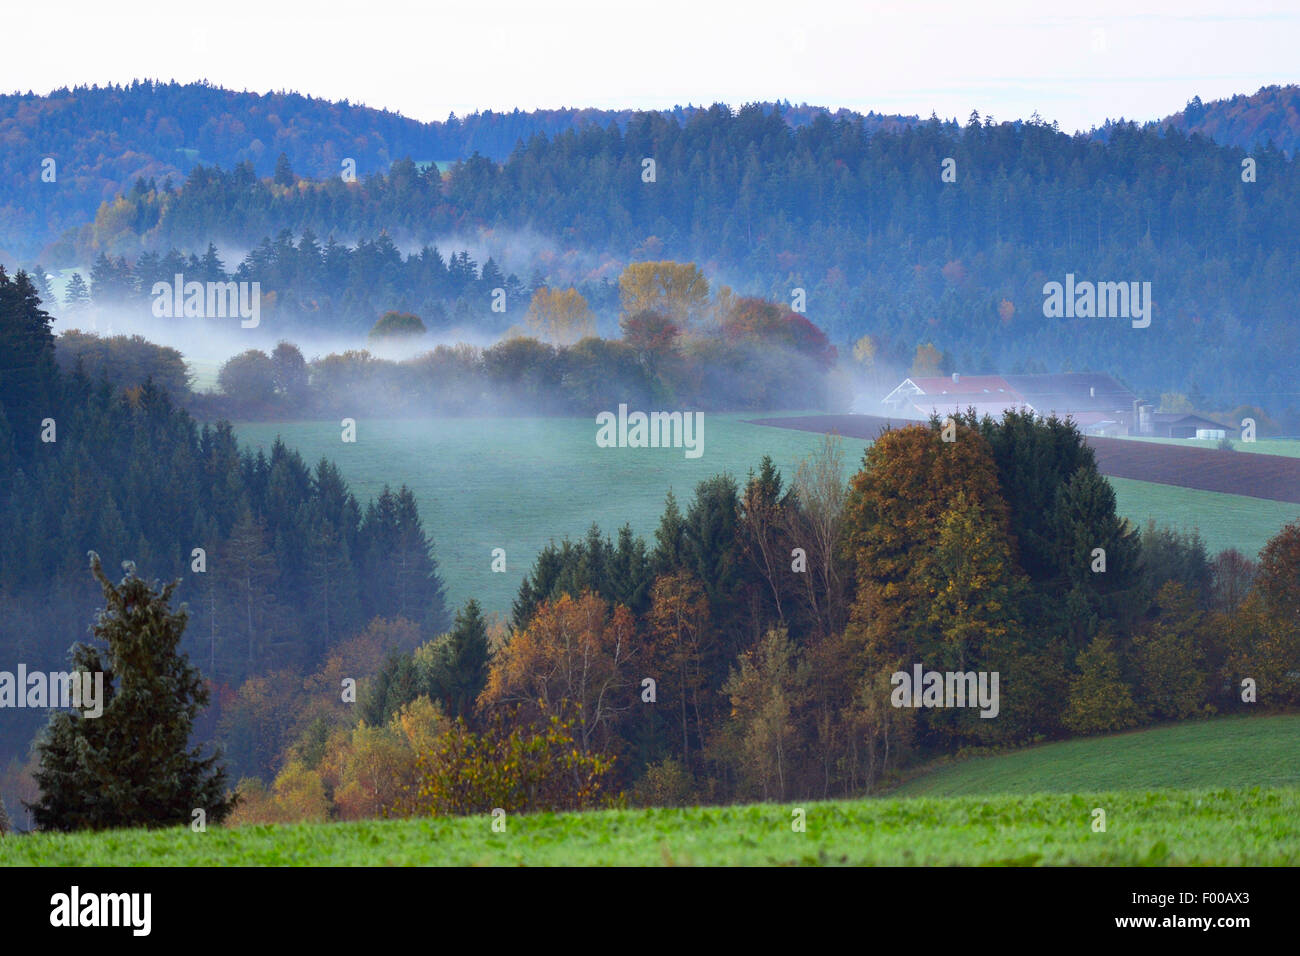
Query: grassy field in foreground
x=1184, y=827
x=518, y=483
x=1216, y=792
x=1227, y=751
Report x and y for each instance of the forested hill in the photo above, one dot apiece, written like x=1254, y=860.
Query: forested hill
x=1246, y=121
x=103, y=138
x=866, y=224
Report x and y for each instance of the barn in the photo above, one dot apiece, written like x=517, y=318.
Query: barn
x=1182, y=425
x=1097, y=403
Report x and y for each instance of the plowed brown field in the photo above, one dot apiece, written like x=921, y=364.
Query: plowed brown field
x=1235, y=473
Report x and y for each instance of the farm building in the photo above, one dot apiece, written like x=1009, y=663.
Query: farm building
x=1182, y=425
x=1097, y=403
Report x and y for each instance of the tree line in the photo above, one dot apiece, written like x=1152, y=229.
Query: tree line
x=680, y=340
x=746, y=651
x=280, y=560
x=864, y=222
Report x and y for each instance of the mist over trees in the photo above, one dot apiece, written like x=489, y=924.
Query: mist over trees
x=278, y=560
x=859, y=219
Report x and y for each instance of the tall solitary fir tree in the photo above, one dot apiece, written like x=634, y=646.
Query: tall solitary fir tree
x=132, y=766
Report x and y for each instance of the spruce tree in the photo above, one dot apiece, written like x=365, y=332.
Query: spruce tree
x=131, y=766
x=462, y=668
x=78, y=293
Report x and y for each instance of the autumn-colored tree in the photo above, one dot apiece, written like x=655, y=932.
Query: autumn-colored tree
x=394, y=326
x=654, y=339
x=679, y=616
x=1099, y=701
x=1170, y=656
x=362, y=656
x=676, y=290
x=512, y=765
x=665, y=783
x=574, y=652
x=865, y=351
x=1263, y=634
x=760, y=741
x=752, y=319
x=893, y=525
x=559, y=316
x=813, y=524
x=300, y=795
x=1279, y=573
x=928, y=360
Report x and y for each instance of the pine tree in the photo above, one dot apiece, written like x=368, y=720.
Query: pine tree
x=78, y=293
x=461, y=670
x=401, y=575
x=670, y=550
x=283, y=171
x=247, y=570
x=132, y=765
x=29, y=377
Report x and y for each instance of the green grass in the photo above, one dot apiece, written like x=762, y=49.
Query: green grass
x=1288, y=447
x=203, y=375
x=518, y=483
x=1225, y=521
x=1222, y=792
x=1213, y=827
x=1227, y=751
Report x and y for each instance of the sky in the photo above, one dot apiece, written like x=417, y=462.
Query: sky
x=1077, y=65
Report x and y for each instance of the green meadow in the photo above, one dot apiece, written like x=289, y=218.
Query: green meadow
x=1221, y=792
x=1220, y=827
x=517, y=483
x=1289, y=447
x=1225, y=521
x=1238, y=752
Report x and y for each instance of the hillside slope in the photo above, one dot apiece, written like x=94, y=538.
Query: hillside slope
x=1247, y=121
x=1229, y=751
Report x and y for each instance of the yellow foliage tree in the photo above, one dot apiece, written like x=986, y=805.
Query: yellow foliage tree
x=560, y=316
x=574, y=651
x=927, y=361
x=114, y=223
x=864, y=352
x=678, y=290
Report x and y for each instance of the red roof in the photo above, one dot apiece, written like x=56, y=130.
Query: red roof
x=966, y=385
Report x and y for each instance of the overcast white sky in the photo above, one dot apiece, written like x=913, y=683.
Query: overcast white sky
x=1077, y=64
